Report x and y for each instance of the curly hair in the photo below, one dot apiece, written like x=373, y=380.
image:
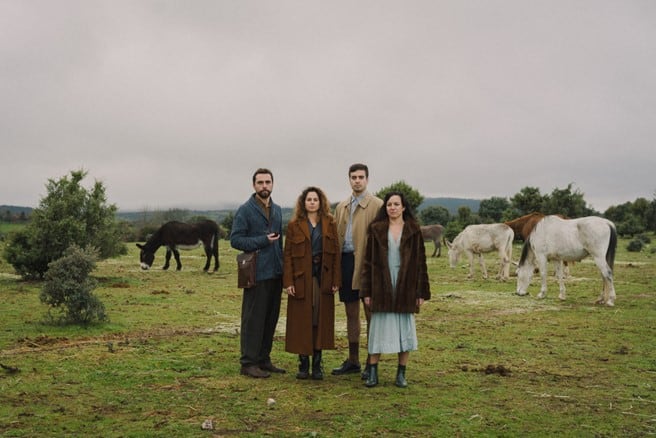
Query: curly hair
x=301, y=213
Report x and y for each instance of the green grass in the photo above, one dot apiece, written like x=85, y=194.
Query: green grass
x=490, y=363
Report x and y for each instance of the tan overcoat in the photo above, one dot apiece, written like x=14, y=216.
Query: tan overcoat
x=297, y=271
x=364, y=213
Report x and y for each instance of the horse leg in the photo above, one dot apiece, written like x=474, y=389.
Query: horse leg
x=543, y=268
x=561, y=279
x=215, y=253
x=510, y=251
x=208, y=255
x=176, y=254
x=167, y=259
x=504, y=267
x=607, y=295
x=481, y=261
x=470, y=257
x=438, y=247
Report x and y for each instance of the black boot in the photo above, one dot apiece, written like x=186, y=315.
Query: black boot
x=400, y=377
x=317, y=372
x=372, y=380
x=303, y=367
x=365, y=372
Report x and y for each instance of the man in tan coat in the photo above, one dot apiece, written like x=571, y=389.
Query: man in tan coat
x=353, y=216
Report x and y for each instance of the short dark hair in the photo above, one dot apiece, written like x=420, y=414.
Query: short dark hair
x=260, y=171
x=359, y=166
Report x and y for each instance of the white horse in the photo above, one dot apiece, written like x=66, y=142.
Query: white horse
x=479, y=239
x=569, y=240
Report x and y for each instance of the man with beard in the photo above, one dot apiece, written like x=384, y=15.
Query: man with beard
x=257, y=226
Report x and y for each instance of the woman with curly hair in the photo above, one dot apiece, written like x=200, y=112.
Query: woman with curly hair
x=311, y=277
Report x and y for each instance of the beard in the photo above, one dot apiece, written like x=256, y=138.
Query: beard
x=264, y=194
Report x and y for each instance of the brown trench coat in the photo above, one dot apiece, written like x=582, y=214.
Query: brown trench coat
x=297, y=271
x=412, y=280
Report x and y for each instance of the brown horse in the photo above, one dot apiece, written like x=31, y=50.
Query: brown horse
x=434, y=233
x=522, y=226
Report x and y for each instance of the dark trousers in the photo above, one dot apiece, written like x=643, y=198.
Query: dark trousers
x=260, y=308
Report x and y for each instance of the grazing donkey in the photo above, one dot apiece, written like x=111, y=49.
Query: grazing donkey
x=178, y=235
x=479, y=239
x=434, y=233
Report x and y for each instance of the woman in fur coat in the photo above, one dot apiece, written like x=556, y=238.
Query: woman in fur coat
x=394, y=284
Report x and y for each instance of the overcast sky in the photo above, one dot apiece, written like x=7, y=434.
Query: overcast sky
x=174, y=104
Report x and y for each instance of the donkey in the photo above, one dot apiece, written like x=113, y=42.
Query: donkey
x=434, y=233
x=479, y=239
x=178, y=235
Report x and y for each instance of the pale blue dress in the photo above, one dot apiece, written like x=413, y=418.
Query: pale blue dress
x=392, y=332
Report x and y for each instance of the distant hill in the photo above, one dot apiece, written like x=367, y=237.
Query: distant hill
x=15, y=210
x=451, y=204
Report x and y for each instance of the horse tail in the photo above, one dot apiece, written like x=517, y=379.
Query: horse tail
x=612, y=245
x=525, y=248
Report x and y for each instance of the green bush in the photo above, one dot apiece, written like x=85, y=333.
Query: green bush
x=68, y=289
x=644, y=238
x=635, y=245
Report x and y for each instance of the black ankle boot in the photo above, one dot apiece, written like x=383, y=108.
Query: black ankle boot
x=303, y=367
x=372, y=380
x=400, y=377
x=317, y=371
x=365, y=373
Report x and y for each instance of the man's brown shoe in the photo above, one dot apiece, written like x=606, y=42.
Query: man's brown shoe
x=254, y=371
x=268, y=366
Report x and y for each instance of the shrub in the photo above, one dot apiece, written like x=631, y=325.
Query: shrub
x=68, y=289
x=635, y=245
x=644, y=238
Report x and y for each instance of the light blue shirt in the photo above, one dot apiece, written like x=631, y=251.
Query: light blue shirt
x=348, y=236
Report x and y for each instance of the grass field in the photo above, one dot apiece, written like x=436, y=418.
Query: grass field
x=490, y=363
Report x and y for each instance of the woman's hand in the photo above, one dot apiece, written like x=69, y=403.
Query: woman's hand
x=420, y=301
x=367, y=301
x=335, y=289
x=291, y=291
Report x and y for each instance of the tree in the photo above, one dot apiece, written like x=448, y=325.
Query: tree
x=566, y=202
x=412, y=196
x=69, y=214
x=528, y=200
x=492, y=209
x=226, y=223
x=464, y=218
x=435, y=214
x=651, y=215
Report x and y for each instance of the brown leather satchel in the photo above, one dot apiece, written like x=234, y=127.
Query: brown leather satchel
x=246, y=269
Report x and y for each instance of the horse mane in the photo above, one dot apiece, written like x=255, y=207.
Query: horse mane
x=525, y=250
